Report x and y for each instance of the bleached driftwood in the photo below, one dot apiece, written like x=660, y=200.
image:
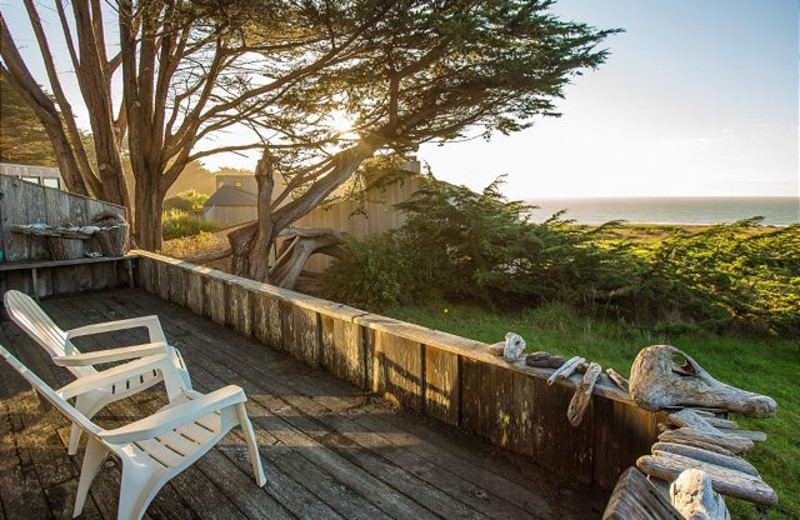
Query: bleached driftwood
x=565, y=370
x=726, y=461
x=663, y=376
x=753, y=435
x=690, y=419
x=583, y=395
x=668, y=466
x=510, y=349
x=735, y=445
x=514, y=347
x=694, y=497
x=618, y=379
x=717, y=422
x=544, y=360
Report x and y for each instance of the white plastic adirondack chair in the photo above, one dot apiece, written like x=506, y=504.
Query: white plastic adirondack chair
x=33, y=320
x=156, y=448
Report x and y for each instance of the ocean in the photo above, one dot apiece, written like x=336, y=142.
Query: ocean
x=777, y=211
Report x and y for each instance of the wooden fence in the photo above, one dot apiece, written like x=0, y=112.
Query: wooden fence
x=444, y=376
x=28, y=203
x=376, y=215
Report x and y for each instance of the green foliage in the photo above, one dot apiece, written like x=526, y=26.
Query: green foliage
x=178, y=224
x=726, y=277
x=190, y=201
x=373, y=274
x=22, y=138
x=479, y=247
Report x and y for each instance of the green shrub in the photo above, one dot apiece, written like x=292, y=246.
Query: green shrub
x=178, y=224
x=190, y=201
x=478, y=247
x=373, y=274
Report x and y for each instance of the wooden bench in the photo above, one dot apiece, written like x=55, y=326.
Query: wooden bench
x=35, y=265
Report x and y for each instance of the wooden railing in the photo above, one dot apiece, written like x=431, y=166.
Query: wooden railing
x=444, y=376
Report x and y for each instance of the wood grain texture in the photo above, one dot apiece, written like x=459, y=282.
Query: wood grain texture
x=634, y=498
x=442, y=386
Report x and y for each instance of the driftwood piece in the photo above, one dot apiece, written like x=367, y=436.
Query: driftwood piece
x=693, y=452
x=514, y=347
x=755, y=436
x=565, y=370
x=694, y=497
x=618, y=379
x=687, y=418
x=668, y=466
x=718, y=422
x=496, y=349
x=634, y=498
x=735, y=445
x=544, y=360
x=113, y=234
x=664, y=376
x=583, y=395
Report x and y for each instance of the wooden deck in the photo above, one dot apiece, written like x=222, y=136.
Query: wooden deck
x=329, y=449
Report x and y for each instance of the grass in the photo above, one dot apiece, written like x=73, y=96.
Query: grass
x=764, y=365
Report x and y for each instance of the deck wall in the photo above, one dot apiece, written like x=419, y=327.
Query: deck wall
x=27, y=203
x=447, y=377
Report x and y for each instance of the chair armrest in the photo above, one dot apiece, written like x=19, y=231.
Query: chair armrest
x=171, y=418
x=152, y=324
x=114, y=354
x=118, y=373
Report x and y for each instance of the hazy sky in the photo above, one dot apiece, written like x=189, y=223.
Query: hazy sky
x=699, y=97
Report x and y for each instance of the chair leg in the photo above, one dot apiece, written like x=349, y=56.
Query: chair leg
x=138, y=488
x=252, y=444
x=96, y=453
x=88, y=405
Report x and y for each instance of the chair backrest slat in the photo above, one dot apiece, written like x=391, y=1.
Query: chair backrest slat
x=48, y=393
x=38, y=325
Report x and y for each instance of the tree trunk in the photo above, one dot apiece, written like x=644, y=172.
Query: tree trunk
x=147, y=214
x=251, y=243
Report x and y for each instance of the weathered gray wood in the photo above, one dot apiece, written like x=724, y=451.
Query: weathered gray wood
x=301, y=334
x=618, y=379
x=753, y=435
x=442, y=385
x=565, y=370
x=658, y=381
x=634, y=498
x=712, y=457
x=668, y=466
x=267, y=320
x=398, y=370
x=737, y=445
x=687, y=418
x=544, y=360
x=176, y=285
x=214, y=299
x=240, y=310
x=343, y=350
x=692, y=495
x=583, y=395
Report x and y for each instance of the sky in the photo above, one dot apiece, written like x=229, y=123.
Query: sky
x=698, y=98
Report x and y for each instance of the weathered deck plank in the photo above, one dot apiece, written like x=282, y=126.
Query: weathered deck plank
x=329, y=449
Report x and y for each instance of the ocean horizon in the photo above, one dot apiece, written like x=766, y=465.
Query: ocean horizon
x=777, y=211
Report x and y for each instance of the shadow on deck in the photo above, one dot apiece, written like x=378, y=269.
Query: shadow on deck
x=329, y=449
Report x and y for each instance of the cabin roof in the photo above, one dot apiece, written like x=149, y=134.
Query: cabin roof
x=231, y=196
